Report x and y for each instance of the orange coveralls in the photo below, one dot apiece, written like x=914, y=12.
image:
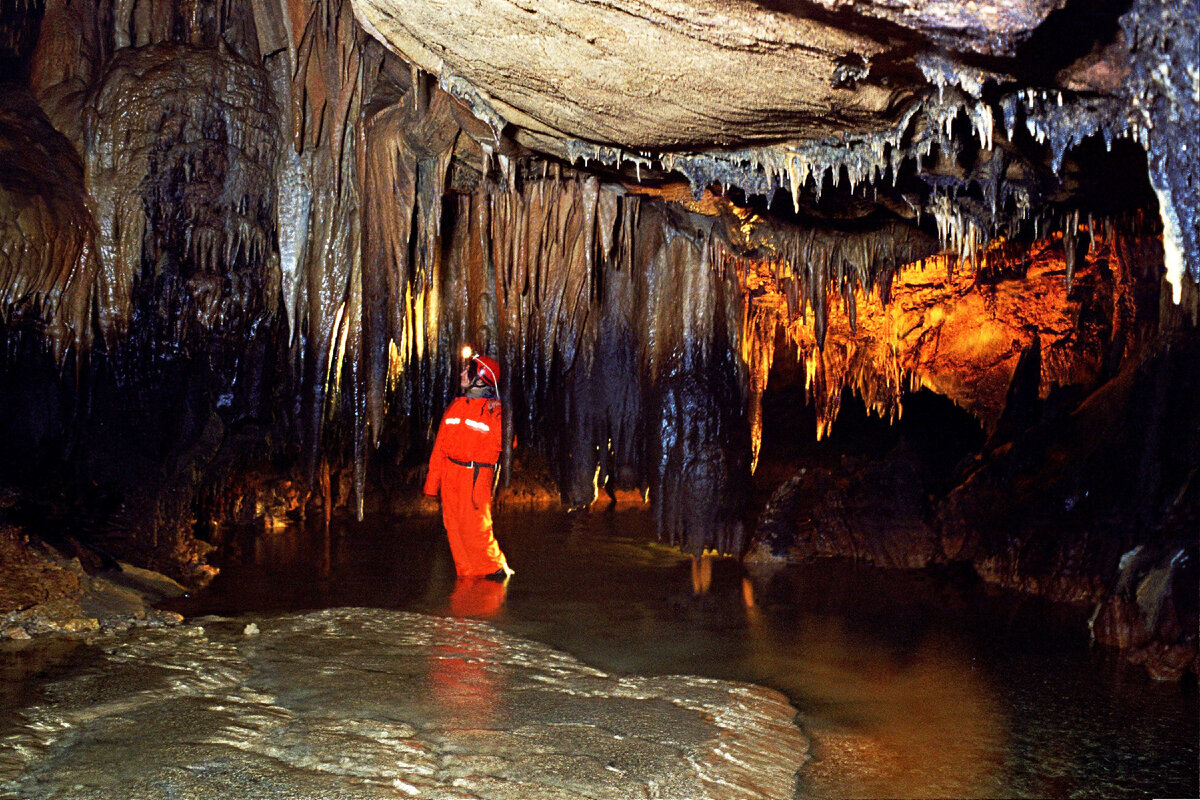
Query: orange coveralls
x=463, y=468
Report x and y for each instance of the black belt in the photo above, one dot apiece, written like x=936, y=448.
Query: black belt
x=472, y=464
x=475, y=467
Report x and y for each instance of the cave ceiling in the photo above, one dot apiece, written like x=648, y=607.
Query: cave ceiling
x=665, y=75
x=970, y=112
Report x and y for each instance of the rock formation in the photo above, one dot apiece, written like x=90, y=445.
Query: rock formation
x=243, y=242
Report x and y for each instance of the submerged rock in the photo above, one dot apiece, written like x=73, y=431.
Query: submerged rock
x=1152, y=610
x=371, y=703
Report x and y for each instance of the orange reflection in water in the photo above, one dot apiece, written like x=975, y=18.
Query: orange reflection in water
x=462, y=682
x=924, y=724
x=463, y=672
x=477, y=597
x=909, y=720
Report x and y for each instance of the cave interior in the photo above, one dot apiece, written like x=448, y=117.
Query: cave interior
x=900, y=282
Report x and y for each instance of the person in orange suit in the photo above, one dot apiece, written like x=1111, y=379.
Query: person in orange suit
x=462, y=469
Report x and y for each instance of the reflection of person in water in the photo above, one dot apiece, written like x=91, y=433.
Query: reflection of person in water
x=477, y=597
x=463, y=671
x=462, y=469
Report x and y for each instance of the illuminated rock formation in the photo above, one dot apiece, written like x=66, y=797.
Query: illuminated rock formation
x=641, y=76
x=249, y=238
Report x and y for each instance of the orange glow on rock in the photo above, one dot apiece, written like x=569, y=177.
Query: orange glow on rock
x=955, y=330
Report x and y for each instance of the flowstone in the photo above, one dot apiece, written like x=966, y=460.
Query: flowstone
x=371, y=703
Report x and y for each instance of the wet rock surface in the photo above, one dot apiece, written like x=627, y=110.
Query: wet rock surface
x=369, y=703
x=1152, y=610
x=1111, y=525
x=30, y=579
x=44, y=592
x=873, y=511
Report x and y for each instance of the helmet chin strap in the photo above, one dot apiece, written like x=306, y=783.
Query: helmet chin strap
x=480, y=368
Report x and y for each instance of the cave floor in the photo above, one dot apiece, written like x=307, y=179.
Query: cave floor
x=358, y=703
x=597, y=671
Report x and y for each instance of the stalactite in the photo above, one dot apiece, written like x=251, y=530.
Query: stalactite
x=207, y=146
x=1070, y=242
x=1164, y=96
x=69, y=52
x=325, y=97
x=890, y=350
x=700, y=451
x=758, y=352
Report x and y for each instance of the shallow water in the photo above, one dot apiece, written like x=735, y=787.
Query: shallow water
x=910, y=684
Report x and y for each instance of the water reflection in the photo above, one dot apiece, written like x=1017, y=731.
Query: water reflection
x=921, y=726
x=461, y=675
x=477, y=597
x=21, y=661
x=909, y=716
x=461, y=680
x=911, y=684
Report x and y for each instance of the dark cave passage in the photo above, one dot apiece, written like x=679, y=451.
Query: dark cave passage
x=929, y=423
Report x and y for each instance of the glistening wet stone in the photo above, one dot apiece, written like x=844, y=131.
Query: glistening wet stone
x=375, y=703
